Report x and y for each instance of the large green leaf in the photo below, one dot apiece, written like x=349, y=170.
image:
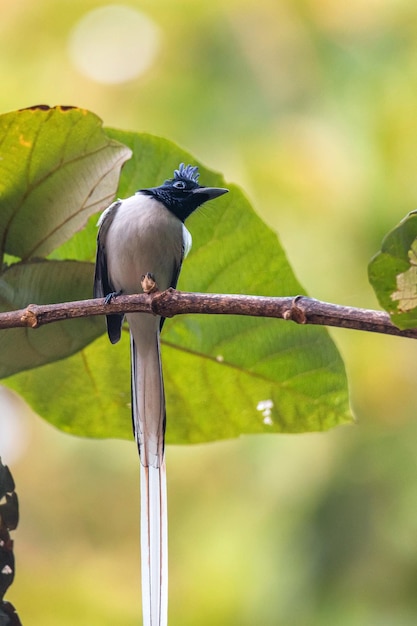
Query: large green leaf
x=86, y=394
x=224, y=375
x=44, y=282
x=57, y=167
x=393, y=273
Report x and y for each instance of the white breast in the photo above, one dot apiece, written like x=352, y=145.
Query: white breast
x=143, y=237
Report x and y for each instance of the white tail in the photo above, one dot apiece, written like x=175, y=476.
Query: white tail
x=154, y=545
x=148, y=409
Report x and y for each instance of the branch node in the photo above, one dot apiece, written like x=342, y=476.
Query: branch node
x=29, y=317
x=295, y=312
x=157, y=302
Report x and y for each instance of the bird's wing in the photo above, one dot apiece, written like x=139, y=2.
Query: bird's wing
x=102, y=283
x=186, y=247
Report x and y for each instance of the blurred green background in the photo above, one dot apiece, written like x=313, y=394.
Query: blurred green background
x=311, y=106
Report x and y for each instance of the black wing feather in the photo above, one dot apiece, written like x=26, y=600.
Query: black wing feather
x=174, y=280
x=102, y=283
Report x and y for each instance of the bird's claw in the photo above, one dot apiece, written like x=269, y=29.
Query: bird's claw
x=148, y=283
x=112, y=295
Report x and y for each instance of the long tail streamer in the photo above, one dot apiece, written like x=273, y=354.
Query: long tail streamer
x=154, y=545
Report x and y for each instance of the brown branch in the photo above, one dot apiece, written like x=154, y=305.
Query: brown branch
x=168, y=303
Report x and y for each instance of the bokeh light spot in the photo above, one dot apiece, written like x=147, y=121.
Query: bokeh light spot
x=114, y=44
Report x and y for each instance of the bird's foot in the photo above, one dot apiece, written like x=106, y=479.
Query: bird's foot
x=112, y=295
x=148, y=283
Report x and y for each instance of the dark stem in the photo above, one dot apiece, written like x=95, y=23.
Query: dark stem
x=299, y=309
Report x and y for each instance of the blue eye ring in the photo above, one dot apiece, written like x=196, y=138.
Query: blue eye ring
x=180, y=184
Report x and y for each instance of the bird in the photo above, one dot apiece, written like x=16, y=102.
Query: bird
x=141, y=244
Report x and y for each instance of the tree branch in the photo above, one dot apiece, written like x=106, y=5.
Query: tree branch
x=299, y=309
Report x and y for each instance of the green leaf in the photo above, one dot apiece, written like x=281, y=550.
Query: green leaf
x=81, y=247
x=86, y=388
x=393, y=273
x=57, y=168
x=45, y=282
x=224, y=375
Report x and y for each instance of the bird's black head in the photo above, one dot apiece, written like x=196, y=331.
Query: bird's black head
x=182, y=194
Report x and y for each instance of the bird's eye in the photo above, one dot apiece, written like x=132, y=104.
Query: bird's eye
x=180, y=184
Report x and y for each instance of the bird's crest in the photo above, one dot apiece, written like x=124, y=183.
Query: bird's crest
x=187, y=172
